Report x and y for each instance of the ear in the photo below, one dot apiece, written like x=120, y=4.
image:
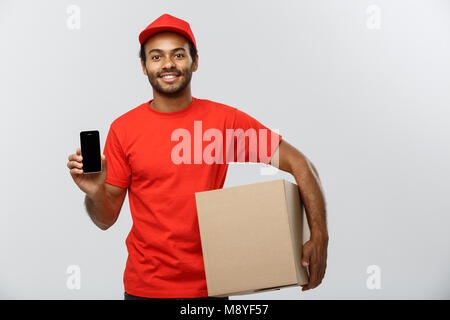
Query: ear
x=143, y=67
x=195, y=64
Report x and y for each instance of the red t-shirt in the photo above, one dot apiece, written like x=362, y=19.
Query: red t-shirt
x=162, y=159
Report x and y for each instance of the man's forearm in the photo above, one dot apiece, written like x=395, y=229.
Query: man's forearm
x=312, y=196
x=290, y=159
x=99, y=209
x=314, y=251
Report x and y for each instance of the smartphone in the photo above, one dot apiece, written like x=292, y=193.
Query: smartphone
x=90, y=151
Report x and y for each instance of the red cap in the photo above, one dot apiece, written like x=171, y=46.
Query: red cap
x=166, y=22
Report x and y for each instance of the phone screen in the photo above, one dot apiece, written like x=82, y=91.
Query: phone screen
x=90, y=151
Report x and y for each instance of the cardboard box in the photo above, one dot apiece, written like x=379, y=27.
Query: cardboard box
x=252, y=237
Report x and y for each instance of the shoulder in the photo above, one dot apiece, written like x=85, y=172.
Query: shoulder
x=215, y=106
x=128, y=118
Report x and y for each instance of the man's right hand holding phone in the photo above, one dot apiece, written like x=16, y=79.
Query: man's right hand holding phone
x=103, y=201
x=90, y=183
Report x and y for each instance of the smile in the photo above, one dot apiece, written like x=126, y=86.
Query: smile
x=170, y=78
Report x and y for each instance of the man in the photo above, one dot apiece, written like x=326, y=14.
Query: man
x=154, y=152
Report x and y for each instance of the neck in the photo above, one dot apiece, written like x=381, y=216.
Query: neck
x=171, y=103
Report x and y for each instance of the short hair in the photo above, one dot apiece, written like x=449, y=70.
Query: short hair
x=192, y=51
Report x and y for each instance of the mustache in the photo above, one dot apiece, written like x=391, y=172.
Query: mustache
x=177, y=73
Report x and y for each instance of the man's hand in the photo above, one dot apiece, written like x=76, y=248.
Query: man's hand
x=314, y=255
x=88, y=183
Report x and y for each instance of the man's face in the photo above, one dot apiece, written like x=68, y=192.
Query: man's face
x=168, y=52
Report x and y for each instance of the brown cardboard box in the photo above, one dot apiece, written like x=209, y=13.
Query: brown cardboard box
x=252, y=237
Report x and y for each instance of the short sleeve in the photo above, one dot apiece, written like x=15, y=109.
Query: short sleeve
x=118, y=169
x=252, y=141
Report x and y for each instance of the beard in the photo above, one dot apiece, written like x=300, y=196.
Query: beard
x=180, y=84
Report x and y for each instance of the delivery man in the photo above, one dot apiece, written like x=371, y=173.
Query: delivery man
x=157, y=152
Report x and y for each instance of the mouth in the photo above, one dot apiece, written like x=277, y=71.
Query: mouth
x=169, y=77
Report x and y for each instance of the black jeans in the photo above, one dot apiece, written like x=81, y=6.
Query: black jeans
x=128, y=296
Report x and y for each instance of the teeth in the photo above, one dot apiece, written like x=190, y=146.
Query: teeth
x=169, y=77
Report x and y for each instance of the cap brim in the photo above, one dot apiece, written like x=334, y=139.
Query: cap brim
x=144, y=35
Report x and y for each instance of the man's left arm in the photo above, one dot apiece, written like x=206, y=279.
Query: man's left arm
x=314, y=254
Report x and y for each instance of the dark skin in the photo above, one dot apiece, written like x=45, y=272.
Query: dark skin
x=175, y=96
x=314, y=252
x=170, y=97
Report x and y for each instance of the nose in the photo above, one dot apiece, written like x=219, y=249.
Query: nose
x=168, y=64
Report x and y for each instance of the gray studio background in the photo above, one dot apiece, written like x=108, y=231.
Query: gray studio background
x=360, y=87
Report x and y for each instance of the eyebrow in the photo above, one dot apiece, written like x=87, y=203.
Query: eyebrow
x=159, y=50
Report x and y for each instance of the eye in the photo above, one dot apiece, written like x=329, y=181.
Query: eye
x=155, y=56
x=180, y=54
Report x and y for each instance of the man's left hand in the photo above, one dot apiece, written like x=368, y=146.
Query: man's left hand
x=314, y=255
